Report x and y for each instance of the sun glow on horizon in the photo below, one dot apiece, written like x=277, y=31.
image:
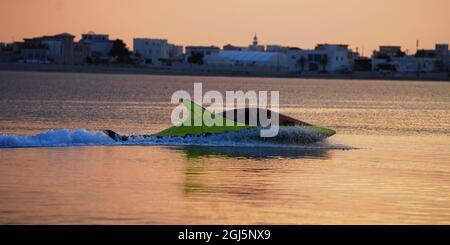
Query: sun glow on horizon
x=361, y=24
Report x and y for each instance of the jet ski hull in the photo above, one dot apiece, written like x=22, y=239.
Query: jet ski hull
x=228, y=125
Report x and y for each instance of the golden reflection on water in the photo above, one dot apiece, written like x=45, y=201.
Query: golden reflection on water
x=397, y=170
x=384, y=179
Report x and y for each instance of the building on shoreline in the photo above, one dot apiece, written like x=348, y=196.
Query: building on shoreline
x=331, y=58
x=35, y=53
x=340, y=57
x=236, y=58
x=156, y=51
x=250, y=58
x=443, y=56
x=255, y=46
x=99, y=45
x=394, y=59
x=324, y=58
x=58, y=49
x=204, y=50
x=10, y=52
x=230, y=47
x=201, y=55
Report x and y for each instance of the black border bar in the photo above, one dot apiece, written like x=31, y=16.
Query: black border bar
x=170, y=233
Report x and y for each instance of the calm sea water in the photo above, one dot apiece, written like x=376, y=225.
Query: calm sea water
x=389, y=162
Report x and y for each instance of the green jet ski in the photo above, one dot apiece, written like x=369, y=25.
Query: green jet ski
x=310, y=133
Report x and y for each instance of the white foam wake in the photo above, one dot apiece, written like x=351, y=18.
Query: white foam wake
x=53, y=138
x=289, y=137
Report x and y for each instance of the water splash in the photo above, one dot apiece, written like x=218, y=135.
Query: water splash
x=287, y=137
x=54, y=138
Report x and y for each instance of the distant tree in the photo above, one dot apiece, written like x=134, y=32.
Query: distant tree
x=196, y=58
x=120, y=52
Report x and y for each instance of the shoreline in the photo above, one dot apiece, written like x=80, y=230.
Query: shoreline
x=206, y=71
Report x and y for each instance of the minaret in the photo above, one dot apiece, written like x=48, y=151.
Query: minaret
x=255, y=40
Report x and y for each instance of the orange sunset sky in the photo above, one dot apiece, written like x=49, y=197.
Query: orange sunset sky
x=302, y=23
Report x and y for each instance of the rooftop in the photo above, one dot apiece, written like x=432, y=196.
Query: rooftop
x=57, y=37
x=203, y=47
x=150, y=39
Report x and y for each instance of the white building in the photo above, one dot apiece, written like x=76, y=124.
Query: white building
x=156, y=51
x=442, y=50
x=443, y=54
x=276, y=48
x=339, y=57
x=255, y=46
x=393, y=59
x=59, y=49
x=324, y=58
x=207, y=54
x=296, y=58
x=248, y=59
x=404, y=64
x=100, y=44
x=254, y=55
x=175, y=51
x=414, y=64
x=203, y=50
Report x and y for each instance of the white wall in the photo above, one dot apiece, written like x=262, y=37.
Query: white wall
x=248, y=58
x=175, y=50
x=413, y=64
x=54, y=46
x=338, y=58
x=338, y=61
x=100, y=45
x=151, y=49
x=407, y=64
x=292, y=58
x=215, y=59
x=376, y=62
